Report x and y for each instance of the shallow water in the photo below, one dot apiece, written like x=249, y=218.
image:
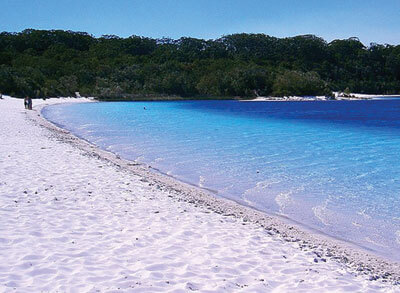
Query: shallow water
x=332, y=166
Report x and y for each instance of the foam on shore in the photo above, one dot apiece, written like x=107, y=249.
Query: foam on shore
x=75, y=217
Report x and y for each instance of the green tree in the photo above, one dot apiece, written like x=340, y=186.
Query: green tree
x=295, y=83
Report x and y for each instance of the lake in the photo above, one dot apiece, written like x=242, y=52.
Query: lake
x=333, y=166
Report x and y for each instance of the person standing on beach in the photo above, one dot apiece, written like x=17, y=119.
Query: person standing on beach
x=28, y=103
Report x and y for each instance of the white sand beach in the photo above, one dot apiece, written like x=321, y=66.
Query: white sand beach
x=338, y=96
x=78, y=219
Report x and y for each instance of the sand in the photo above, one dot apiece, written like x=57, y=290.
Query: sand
x=338, y=96
x=78, y=219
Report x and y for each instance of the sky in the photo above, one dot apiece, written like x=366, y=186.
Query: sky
x=370, y=20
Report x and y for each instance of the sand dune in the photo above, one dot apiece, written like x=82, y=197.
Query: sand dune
x=73, y=222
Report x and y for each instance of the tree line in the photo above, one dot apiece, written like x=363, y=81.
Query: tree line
x=48, y=63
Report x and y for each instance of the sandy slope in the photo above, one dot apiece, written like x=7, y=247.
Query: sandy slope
x=72, y=222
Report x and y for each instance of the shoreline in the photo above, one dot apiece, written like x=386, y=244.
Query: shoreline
x=338, y=97
x=357, y=259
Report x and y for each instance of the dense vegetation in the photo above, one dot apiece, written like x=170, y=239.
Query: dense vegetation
x=58, y=63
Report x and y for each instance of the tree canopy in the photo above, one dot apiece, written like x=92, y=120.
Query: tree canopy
x=43, y=63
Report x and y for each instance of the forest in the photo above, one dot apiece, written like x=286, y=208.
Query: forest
x=51, y=63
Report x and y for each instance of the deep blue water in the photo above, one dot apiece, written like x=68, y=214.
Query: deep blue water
x=332, y=166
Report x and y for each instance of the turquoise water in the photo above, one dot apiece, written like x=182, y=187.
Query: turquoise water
x=331, y=166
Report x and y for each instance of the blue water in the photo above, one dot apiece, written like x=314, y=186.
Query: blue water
x=331, y=166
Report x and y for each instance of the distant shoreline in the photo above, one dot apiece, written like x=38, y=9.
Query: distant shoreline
x=338, y=97
x=350, y=97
